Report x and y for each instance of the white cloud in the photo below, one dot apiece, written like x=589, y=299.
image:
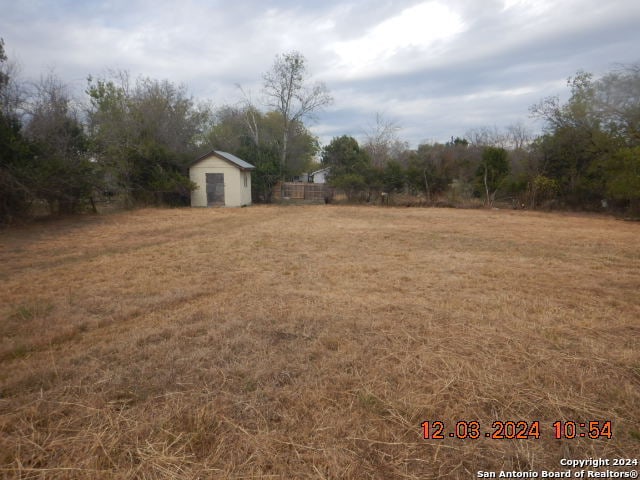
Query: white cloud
x=416, y=29
x=534, y=7
x=436, y=67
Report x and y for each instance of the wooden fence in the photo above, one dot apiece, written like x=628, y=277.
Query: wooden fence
x=317, y=192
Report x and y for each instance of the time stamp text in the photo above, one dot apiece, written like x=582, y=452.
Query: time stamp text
x=516, y=430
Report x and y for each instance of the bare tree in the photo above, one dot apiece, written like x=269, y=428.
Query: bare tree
x=381, y=140
x=486, y=137
x=617, y=102
x=251, y=115
x=518, y=136
x=12, y=93
x=288, y=92
x=53, y=118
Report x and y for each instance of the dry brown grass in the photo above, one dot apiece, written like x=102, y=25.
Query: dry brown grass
x=311, y=342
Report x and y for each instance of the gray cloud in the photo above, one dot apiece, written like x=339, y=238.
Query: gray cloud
x=437, y=69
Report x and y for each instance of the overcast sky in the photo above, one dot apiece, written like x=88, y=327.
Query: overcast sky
x=435, y=68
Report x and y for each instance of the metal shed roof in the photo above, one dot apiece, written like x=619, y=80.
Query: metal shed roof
x=238, y=162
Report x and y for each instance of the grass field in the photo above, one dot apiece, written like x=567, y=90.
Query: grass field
x=313, y=341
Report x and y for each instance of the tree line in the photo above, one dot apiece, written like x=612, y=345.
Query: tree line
x=133, y=140
x=588, y=156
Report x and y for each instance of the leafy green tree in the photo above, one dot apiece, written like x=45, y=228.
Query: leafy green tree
x=255, y=136
x=352, y=184
x=543, y=189
x=576, y=141
x=267, y=172
x=64, y=175
x=623, y=177
x=343, y=155
x=394, y=177
x=15, y=154
x=430, y=169
x=112, y=133
x=302, y=145
x=458, y=142
x=349, y=165
x=493, y=169
x=419, y=175
x=16, y=170
x=144, y=136
x=230, y=130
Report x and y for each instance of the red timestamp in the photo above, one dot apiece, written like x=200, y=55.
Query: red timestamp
x=515, y=430
x=593, y=429
x=472, y=429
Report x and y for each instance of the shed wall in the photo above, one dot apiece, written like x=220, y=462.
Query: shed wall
x=236, y=193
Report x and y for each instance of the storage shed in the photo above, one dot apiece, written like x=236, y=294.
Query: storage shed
x=223, y=180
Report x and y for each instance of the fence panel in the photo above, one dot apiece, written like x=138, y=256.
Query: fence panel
x=317, y=192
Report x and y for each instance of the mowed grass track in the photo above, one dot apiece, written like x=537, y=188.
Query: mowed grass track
x=312, y=342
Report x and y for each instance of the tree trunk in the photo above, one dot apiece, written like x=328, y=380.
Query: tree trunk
x=426, y=186
x=283, y=154
x=486, y=186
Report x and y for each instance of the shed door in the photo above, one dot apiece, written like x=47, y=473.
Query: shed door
x=215, y=189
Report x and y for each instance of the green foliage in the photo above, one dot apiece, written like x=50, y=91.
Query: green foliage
x=46, y=159
x=393, y=177
x=515, y=185
x=157, y=177
x=352, y=184
x=267, y=172
x=350, y=166
x=416, y=173
x=15, y=153
x=546, y=186
x=288, y=92
x=544, y=189
x=455, y=142
x=16, y=171
x=144, y=136
x=374, y=179
x=344, y=156
x=574, y=139
x=491, y=172
x=432, y=168
x=302, y=145
x=588, y=148
x=139, y=136
x=63, y=174
x=255, y=136
x=623, y=176
x=65, y=183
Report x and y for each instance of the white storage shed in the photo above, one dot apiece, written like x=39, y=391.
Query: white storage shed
x=223, y=180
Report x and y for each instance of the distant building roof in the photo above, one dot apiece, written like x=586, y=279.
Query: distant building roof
x=238, y=162
x=325, y=169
